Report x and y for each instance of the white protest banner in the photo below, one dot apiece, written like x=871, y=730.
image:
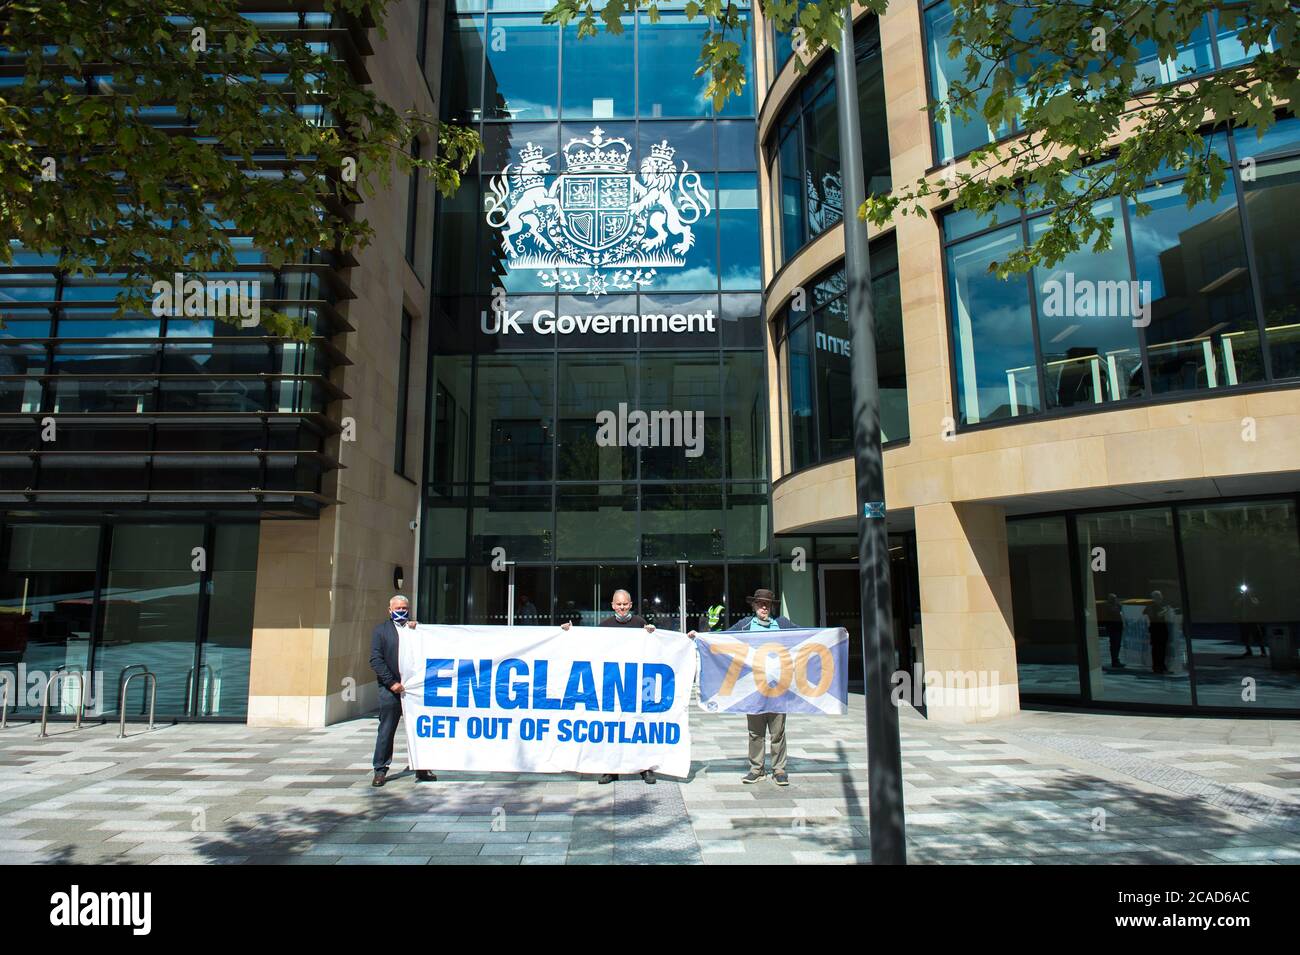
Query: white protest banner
x=546, y=700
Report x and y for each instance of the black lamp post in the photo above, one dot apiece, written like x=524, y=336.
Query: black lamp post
x=884, y=753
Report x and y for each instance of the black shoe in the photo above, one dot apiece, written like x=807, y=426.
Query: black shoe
x=648, y=775
x=753, y=777
x=380, y=776
x=425, y=776
x=607, y=778
x=781, y=779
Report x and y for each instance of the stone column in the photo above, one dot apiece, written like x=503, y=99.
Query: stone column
x=289, y=663
x=966, y=622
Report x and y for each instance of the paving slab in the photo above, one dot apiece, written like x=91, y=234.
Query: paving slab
x=1036, y=788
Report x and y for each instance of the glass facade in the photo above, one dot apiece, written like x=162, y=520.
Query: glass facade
x=167, y=404
x=601, y=269
x=803, y=154
x=1192, y=605
x=1209, y=48
x=1184, y=300
x=108, y=598
x=140, y=447
x=814, y=358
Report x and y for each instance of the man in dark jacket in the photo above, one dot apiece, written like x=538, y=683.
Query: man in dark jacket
x=383, y=660
x=763, y=603
x=623, y=618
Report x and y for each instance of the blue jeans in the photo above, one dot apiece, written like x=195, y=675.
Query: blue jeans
x=390, y=711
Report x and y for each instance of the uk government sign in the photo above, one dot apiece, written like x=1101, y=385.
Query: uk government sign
x=540, y=699
x=597, y=227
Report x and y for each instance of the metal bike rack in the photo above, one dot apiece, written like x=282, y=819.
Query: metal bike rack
x=4, y=702
x=152, y=681
x=209, y=683
x=122, y=680
x=45, y=702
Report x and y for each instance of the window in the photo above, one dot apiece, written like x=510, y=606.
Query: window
x=462, y=86
x=413, y=206
x=1046, y=628
x=815, y=359
x=105, y=598
x=1243, y=603
x=1134, y=610
x=403, y=395
x=1189, y=605
x=666, y=89
x=992, y=331
x=1271, y=198
x=954, y=137
x=1091, y=349
x=597, y=82
x=523, y=68
x=1170, y=307
x=1204, y=331
x=806, y=150
x=422, y=33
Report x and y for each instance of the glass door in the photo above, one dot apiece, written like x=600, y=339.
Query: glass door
x=841, y=605
x=583, y=592
x=706, y=587
x=660, y=600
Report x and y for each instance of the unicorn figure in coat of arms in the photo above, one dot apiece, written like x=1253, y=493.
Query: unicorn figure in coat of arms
x=596, y=217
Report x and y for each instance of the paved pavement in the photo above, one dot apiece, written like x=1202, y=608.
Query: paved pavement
x=1037, y=788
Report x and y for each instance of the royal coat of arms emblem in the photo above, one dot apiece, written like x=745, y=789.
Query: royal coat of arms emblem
x=597, y=226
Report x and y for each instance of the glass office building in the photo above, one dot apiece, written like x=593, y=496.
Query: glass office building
x=618, y=357
x=1091, y=491
x=140, y=453
x=603, y=260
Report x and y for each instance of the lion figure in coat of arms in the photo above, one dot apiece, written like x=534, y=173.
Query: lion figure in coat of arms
x=669, y=215
x=533, y=201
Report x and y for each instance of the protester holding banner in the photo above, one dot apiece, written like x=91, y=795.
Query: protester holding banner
x=384, y=661
x=761, y=724
x=763, y=603
x=624, y=618
x=621, y=604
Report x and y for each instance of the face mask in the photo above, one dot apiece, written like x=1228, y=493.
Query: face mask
x=622, y=617
x=399, y=616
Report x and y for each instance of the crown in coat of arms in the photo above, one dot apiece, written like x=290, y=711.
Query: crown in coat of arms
x=834, y=190
x=531, y=152
x=663, y=151
x=597, y=154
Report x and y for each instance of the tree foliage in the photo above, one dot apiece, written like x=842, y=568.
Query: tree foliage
x=1071, y=88
x=145, y=134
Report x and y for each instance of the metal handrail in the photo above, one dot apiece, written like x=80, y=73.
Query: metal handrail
x=210, y=682
x=152, y=680
x=5, y=682
x=45, y=702
x=122, y=680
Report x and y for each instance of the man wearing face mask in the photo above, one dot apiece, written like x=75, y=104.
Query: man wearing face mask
x=383, y=660
x=623, y=619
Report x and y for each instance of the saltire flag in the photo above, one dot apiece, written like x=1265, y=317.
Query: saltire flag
x=774, y=671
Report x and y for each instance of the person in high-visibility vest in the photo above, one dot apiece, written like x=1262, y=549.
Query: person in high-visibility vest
x=712, y=617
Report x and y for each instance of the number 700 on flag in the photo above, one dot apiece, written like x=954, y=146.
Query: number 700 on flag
x=793, y=671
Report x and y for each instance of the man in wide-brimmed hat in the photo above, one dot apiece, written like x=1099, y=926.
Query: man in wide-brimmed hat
x=763, y=603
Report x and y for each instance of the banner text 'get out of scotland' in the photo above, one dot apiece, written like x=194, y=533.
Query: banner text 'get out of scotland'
x=541, y=699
